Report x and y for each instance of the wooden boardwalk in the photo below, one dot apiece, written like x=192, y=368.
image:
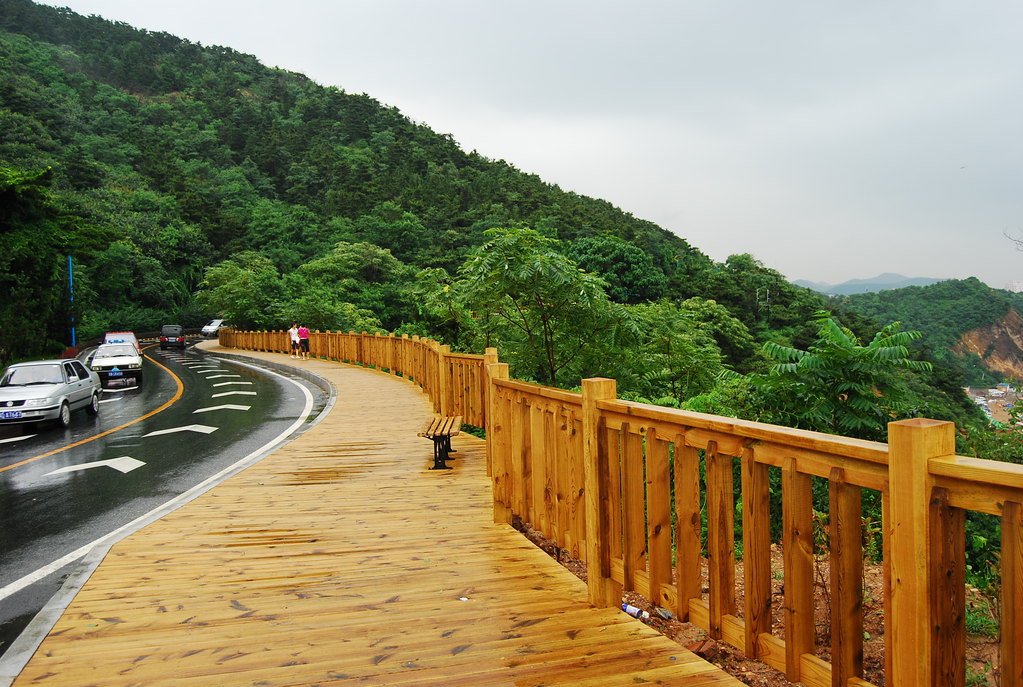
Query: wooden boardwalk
x=341, y=558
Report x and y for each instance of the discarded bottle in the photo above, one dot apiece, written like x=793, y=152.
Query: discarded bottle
x=635, y=612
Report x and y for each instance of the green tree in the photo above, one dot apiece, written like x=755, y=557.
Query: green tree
x=551, y=315
x=35, y=240
x=732, y=336
x=837, y=385
x=629, y=272
x=246, y=290
x=677, y=357
x=362, y=274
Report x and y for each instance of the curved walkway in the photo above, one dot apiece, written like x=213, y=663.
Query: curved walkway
x=341, y=558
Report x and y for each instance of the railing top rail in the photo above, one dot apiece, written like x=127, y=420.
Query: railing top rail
x=465, y=356
x=539, y=390
x=871, y=451
x=979, y=470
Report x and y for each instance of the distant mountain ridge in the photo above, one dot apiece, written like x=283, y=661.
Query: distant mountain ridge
x=882, y=282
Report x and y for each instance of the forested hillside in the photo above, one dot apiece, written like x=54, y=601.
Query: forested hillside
x=944, y=312
x=188, y=181
x=175, y=156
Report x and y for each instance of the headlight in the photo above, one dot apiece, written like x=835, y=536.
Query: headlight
x=35, y=402
x=134, y=366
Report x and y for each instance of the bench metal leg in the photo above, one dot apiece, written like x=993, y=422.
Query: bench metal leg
x=441, y=448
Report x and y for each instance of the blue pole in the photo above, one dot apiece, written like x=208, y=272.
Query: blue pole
x=71, y=290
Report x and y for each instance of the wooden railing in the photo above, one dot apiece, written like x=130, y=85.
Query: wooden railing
x=455, y=382
x=649, y=496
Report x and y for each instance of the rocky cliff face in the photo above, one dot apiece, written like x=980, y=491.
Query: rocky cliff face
x=999, y=345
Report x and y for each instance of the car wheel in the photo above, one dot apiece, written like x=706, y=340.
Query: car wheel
x=93, y=407
x=138, y=379
x=64, y=417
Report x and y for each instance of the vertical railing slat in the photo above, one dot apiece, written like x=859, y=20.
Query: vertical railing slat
x=756, y=533
x=687, y=525
x=948, y=591
x=537, y=470
x=720, y=537
x=658, y=488
x=797, y=548
x=633, y=507
x=846, y=549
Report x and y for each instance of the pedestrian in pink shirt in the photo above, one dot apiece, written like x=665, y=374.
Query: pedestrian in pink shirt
x=303, y=341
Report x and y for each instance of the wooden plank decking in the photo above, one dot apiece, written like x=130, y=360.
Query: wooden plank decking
x=341, y=558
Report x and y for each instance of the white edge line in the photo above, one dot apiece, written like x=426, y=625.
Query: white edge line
x=18, y=659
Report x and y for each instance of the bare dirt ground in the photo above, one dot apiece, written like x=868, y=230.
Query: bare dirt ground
x=981, y=658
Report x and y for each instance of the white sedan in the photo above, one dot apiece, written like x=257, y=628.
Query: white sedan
x=48, y=390
x=117, y=361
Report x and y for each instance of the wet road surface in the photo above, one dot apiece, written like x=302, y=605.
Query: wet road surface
x=61, y=491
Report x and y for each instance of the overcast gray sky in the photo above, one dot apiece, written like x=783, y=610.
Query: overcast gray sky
x=831, y=140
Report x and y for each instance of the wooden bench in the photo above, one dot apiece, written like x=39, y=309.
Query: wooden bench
x=440, y=430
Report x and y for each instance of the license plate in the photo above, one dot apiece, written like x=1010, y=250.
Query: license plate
x=115, y=373
x=11, y=415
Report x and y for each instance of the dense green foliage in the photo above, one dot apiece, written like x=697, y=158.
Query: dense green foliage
x=838, y=385
x=189, y=182
x=190, y=155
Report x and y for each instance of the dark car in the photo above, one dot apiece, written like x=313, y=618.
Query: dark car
x=172, y=335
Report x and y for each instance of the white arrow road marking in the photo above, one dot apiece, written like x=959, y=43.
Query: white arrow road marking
x=122, y=464
x=13, y=439
x=230, y=383
x=223, y=407
x=187, y=428
x=236, y=393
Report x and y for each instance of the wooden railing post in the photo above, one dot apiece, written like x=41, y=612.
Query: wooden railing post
x=403, y=356
x=1012, y=595
x=443, y=379
x=489, y=358
x=498, y=445
x=913, y=645
x=603, y=591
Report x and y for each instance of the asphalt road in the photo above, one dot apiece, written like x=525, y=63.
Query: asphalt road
x=64, y=492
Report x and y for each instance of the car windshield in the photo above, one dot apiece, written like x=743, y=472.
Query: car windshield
x=113, y=351
x=33, y=374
